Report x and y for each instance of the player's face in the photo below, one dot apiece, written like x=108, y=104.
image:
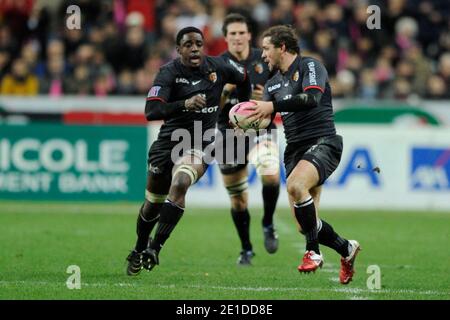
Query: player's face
x=191, y=49
x=238, y=37
x=271, y=54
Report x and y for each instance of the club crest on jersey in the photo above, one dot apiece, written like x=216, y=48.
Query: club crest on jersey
x=295, y=76
x=213, y=77
x=259, y=68
x=153, y=91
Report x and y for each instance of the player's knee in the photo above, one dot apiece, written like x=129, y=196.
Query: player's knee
x=150, y=211
x=238, y=189
x=180, y=184
x=270, y=180
x=239, y=202
x=297, y=188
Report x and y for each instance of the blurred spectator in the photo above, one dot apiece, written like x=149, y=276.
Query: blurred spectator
x=54, y=83
x=4, y=62
x=437, y=88
x=20, y=81
x=283, y=12
x=125, y=83
x=81, y=83
x=368, y=88
x=444, y=68
x=121, y=45
x=401, y=89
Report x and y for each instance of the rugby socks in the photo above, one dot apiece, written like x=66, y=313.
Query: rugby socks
x=168, y=218
x=329, y=238
x=270, y=195
x=145, y=225
x=241, y=220
x=305, y=212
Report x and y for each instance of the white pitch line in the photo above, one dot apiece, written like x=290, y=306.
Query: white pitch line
x=354, y=291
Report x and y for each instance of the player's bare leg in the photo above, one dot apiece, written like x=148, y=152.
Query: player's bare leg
x=302, y=178
x=184, y=174
x=236, y=185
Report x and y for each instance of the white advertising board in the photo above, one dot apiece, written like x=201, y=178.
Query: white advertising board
x=414, y=172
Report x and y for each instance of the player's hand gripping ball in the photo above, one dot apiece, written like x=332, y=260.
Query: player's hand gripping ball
x=239, y=113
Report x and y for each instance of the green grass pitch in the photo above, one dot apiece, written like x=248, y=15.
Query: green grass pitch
x=39, y=240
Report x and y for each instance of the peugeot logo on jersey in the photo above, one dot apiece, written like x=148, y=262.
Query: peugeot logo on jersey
x=312, y=73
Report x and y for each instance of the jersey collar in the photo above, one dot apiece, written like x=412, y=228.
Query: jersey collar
x=293, y=67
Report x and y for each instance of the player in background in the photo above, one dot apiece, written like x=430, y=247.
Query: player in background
x=186, y=93
x=263, y=152
x=301, y=92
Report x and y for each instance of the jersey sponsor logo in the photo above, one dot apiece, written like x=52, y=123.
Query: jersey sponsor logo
x=274, y=87
x=153, y=92
x=194, y=83
x=181, y=80
x=430, y=169
x=213, y=77
x=236, y=66
x=295, y=76
x=312, y=73
x=204, y=110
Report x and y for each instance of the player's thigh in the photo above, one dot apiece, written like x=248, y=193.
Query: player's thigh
x=191, y=164
x=233, y=178
x=303, y=177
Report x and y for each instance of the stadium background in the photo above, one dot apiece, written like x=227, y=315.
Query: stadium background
x=73, y=137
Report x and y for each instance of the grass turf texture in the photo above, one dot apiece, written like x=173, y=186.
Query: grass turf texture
x=39, y=240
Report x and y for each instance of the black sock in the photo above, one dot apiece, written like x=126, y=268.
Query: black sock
x=145, y=225
x=168, y=218
x=329, y=238
x=241, y=220
x=270, y=195
x=305, y=212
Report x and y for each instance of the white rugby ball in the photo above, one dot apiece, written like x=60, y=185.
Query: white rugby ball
x=239, y=112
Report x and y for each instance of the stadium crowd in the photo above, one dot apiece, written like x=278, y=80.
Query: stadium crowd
x=122, y=43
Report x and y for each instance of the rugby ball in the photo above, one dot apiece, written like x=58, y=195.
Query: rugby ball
x=239, y=113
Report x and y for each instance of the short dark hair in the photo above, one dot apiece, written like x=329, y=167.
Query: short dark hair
x=231, y=18
x=183, y=31
x=283, y=34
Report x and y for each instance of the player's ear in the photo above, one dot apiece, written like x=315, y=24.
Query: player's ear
x=178, y=48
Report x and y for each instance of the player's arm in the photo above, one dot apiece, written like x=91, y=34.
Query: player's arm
x=238, y=75
x=226, y=92
x=299, y=102
x=314, y=80
x=313, y=86
x=157, y=107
